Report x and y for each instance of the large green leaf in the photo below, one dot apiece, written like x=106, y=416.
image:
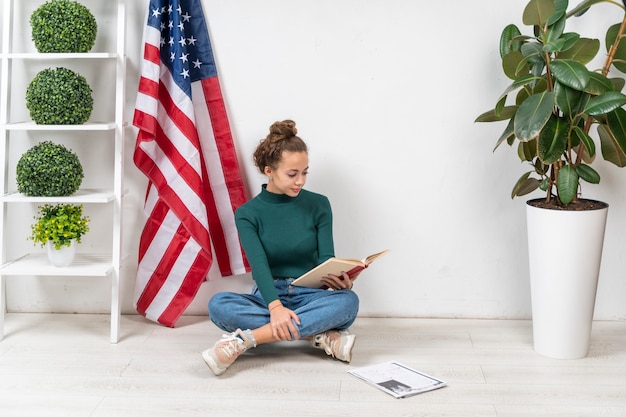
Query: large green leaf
x=560, y=11
x=540, y=167
x=567, y=99
x=493, y=116
x=500, y=106
x=523, y=95
x=554, y=46
x=507, y=134
x=533, y=52
x=583, y=51
x=588, y=174
x=618, y=83
x=506, y=40
x=537, y=87
x=599, y=84
x=567, y=184
x=553, y=140
x=611, y=151
x=563, y=43
x=527, y=151
x=571, y=73
x=620, y=52
x=586, y=140
x=514, y=65
x=525, y=185
x=538, y=12
x=583, y=7
x=617, y=125
x=520, y=82
x=533, y=114
x=605, y=103
x=553, y=34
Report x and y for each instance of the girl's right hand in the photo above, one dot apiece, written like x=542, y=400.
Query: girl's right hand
x=282, y=321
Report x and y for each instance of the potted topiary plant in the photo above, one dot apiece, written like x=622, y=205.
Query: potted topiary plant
x=63, y=26
x=557, y=108
x=60, y=228
x=59, y=96
x=49, y=170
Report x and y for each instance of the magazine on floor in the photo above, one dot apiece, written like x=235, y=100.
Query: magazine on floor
x=396, y=379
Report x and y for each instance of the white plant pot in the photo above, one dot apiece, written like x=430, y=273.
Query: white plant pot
x=564, y=250
x=61, y=257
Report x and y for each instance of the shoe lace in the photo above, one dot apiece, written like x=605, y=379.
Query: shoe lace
x=328, y=344
x=231, y=346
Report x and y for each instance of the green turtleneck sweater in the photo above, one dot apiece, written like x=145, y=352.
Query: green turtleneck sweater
x=284, y=237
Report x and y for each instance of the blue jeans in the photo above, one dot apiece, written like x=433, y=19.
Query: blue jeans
x=318, y=310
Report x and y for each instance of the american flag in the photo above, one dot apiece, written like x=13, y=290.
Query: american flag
x=185, y=148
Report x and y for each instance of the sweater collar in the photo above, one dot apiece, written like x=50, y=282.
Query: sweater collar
x=272, y=198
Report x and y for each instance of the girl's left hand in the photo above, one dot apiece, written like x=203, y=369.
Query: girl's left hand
x=341, y=282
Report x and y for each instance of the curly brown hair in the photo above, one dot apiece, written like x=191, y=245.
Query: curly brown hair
x=282, y=137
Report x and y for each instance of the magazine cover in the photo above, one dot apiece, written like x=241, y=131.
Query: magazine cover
x=396, y=379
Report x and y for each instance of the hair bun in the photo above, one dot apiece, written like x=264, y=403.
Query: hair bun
x=282, y=130
x=281, y=138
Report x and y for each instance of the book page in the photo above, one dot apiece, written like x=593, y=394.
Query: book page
x=375, y=256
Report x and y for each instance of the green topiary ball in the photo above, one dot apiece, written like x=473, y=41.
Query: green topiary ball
x=63, y=26
x=59, y=97
x=49, y=170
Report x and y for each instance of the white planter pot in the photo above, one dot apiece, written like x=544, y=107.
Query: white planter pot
x=61, y=257
x=564, y=250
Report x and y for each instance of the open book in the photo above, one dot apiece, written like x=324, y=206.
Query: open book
x=335, y=266
x=396, y=379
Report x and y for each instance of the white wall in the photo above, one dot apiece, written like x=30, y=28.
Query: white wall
x=385, y=93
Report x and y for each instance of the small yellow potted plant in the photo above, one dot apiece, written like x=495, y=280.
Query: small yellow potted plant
x=60, y=228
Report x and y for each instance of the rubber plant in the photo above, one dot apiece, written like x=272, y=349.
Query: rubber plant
x=555, y=100
x=63, y=26
x=60, y=224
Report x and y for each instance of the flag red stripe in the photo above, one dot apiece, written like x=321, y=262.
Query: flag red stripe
x=148, y=87
x=224, y=140
x=148, y=125
x=163, y=269
x=216, y=230
x=179, y=118
x=187, y=292
x=152, y=227
x=151, y=53
x=173, y=200
x=230, y=168
x=183, y=168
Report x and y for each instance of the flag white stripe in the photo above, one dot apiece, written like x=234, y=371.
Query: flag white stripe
x=155, y=253
x=218, y=182
x=146, y=104
x=188, y=197
x=174, y=280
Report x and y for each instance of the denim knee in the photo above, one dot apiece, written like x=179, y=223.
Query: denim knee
x=352, y=304
x=215, y=307
x=352, y=301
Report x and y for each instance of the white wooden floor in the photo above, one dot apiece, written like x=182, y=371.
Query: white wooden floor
x=64, y=365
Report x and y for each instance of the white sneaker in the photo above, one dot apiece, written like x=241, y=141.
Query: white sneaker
x=335, y=343
x=226, y=350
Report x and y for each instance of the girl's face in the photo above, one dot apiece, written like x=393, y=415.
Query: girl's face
x=290, y=175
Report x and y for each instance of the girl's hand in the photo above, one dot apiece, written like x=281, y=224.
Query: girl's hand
x=342, y=282
x=282, y=321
